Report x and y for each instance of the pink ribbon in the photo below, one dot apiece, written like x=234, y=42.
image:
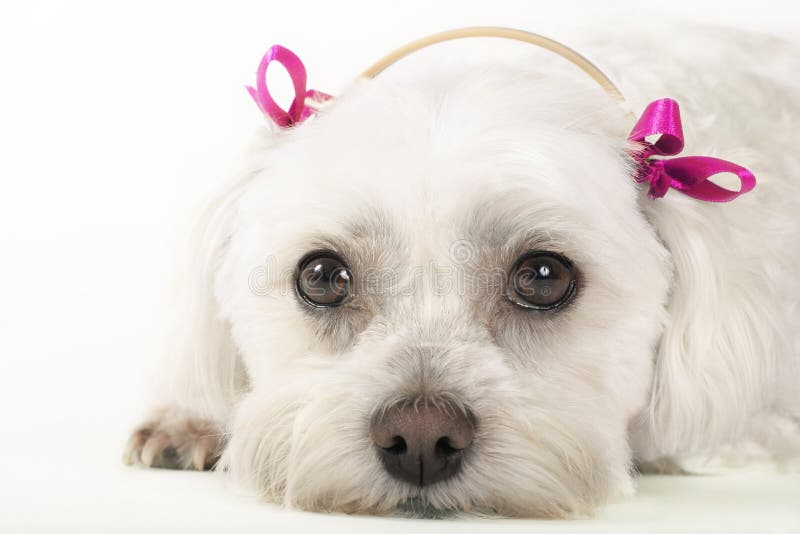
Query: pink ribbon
x=300, y=109
x=689, y=174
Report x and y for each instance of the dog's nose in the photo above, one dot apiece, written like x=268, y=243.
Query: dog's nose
x=423, y=442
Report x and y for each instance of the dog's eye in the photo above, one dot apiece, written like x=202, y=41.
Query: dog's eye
x=323, y=280
x=541, y=281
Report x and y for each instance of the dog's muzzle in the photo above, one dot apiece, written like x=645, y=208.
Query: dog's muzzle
x=423, y=442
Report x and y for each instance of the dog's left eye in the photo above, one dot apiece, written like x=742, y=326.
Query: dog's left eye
x=541, y=281
x=323, y=280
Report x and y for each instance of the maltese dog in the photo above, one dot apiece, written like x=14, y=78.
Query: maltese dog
x=452, y=292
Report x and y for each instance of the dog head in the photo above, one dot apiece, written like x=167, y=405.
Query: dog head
x=446, y=296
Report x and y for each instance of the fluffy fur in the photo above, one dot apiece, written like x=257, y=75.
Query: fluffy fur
x=681, y=339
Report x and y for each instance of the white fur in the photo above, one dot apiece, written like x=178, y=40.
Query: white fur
x=682, y=338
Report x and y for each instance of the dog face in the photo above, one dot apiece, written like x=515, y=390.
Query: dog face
x=443, y=301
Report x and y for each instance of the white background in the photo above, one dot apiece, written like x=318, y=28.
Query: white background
x=116, y=120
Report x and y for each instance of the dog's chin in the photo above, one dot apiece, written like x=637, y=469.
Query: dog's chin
x=306, y=445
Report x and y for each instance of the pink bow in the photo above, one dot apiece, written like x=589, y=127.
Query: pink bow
x=690, y=174
x=300, y=109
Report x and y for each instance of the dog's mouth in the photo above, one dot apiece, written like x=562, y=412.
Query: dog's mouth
x=419, y=507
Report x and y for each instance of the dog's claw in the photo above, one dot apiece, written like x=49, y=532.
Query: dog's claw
x=174, y=441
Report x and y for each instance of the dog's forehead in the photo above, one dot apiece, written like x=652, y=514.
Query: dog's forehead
x=445, y=155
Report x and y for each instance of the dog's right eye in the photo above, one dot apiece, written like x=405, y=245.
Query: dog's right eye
x=323, y=280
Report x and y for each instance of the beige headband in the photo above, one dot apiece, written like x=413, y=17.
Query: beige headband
x=504, y=33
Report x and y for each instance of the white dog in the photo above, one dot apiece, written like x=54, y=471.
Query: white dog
x=361, y=332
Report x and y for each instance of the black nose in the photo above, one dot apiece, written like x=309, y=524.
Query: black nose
x=423, y=442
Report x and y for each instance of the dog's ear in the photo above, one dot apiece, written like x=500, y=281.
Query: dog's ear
x=716, y=357
x=205, y=373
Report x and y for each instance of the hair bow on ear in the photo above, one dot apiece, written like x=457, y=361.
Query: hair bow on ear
x=302, y=106
x=689, y=174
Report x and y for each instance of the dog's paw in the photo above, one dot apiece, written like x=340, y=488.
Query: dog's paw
x=172, y=439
